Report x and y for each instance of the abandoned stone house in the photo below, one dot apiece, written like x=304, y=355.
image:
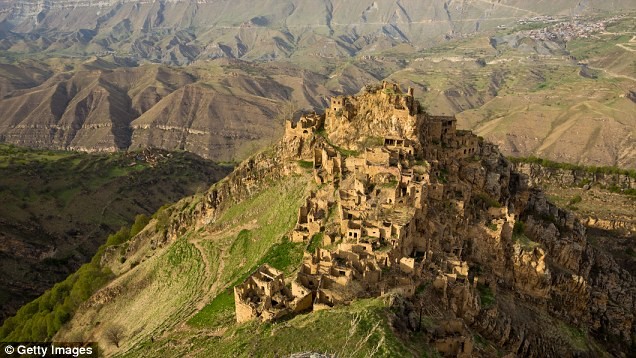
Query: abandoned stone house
x=264, y=295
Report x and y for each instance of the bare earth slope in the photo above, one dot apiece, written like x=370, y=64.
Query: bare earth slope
x=218, y=111
x=179, y=32
x=557, y=87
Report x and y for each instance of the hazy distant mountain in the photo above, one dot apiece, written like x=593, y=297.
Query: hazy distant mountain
x=181, y=31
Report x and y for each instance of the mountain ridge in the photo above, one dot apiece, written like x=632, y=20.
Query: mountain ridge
x=182, y=31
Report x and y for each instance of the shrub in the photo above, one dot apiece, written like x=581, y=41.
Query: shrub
x=575, y=200
x=140, y=223
x=519, y=228
x=40, y=319
x=486, y=296
x=315, y=242
x=305, y=164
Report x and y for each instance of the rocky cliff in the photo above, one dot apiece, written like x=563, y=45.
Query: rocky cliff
x=538, y=174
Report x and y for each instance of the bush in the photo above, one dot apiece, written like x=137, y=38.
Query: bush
x=519, y=228
x=119, y=237
x=575, y=200
x=305, y=164
x=140, y=223
x=487, y=200
x=315, y=242
x=40, y=319
x=486, y=296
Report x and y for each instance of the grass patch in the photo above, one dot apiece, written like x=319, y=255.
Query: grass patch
x=217, y=313
x=576, y=337
x=390, y=184
x=525, y=242
x=242, y=242
x=486, y=200
x=305, y=164
x=284, y=256
x=271, y=213
x=358, y=330
x=519, y=236
x=371, y=142
x=575, y=200
x=315, y=242
x=486, y=296
x=342, y=151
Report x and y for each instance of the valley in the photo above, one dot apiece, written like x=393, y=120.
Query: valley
x=59, y=207
x=568, y=98
x=488, y=252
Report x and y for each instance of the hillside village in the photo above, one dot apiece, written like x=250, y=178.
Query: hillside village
x=398, y=194
x=375, y=203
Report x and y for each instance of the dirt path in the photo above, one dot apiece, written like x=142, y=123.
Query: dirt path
x=210, y=276
x=215, y=277
x=612, y=74
x=626, y=48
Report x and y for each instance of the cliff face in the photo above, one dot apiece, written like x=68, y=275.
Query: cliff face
x=538, y=174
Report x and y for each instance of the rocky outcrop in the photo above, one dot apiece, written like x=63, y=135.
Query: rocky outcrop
x=498, y=255
x=538, y=174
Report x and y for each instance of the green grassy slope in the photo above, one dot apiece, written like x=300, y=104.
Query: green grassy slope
x=358, y=330
x=163, y=289
x=59, y=207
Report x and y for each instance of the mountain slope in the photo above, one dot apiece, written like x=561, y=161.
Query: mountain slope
x=479, y=263
x=218, y=111
x=180, y=32
x=59, y=207
x=545, y=86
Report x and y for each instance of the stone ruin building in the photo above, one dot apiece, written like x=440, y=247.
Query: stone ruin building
x=264, y=295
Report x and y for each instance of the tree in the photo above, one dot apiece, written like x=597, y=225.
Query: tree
x=114, y=335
